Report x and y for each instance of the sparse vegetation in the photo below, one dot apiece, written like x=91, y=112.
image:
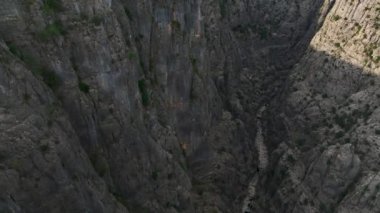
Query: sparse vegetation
x=26, y=97
x=324, y=208
x=50, y=78
x=51, y=6
x=128, y=13
x=223, y=8
x=100, y=164
x=369, y=51
x=154, y=175
x=175, y=25
x=339, y=134
x=143, y=92
x=52, y=30
x=15, y=51
x=263, y=33
x=336, y=17
x=345, y=121
x=97, y=20
x=301, y=141
x=44, y=148
x=2, y=157
x=194, y=65
x=84, y=87
x=131, y=55
x=291, y=159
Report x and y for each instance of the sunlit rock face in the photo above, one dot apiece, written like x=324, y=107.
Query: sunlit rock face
x=189, y=106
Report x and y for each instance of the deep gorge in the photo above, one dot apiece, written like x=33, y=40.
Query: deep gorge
x=189, y=106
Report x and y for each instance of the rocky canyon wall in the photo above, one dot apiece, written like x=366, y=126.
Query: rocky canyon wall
x=152, y=106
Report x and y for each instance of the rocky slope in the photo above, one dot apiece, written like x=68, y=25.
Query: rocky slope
x=154, y=106
x=328, y=159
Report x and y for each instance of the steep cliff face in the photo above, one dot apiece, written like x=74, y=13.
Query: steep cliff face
x=327, y=160
x=154, y=106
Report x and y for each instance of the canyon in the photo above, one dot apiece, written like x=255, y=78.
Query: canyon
x=189, y=106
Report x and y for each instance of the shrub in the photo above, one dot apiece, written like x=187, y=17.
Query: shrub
x=301, y=141
x=377, y=59
x=176, y=25
x=194, y=65
x=52, y=30
x=131, y=55
x=291, y=159
x=100, y=164
x=128, y=13
x=2, y=157
x=26, y=97
x=155, y=175
x=377, y=131
x=15, y=51
x=84, y=87
x=336, y=17
x=223, y=8
x=51, y=6
x=263, y=33
x=97, y=20
x=49, y=78
x=339, y=134
x=345, y=121
x=44, y=148
x=143, y=92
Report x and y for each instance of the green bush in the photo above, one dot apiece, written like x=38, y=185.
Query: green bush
x=223, y=8
x=143, y=92
x=100, y=164
x=15, y=50
x=132, y=55
x=336, y=17
x=50, y=78
x=27, y=58
x=346, y=121
x=263, y=33
x=44, y=148
x=339, y=134
x=84, y=87
x=51, y=6
x=97, y=20
x=26, y=97
x=194, y=65
x=128, y=13
x=155, y=175
x=52, y=30
x=291, y=159
x=377, y=59
x=176, y=25
x=300, y=141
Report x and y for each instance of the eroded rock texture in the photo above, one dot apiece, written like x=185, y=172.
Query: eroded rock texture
x=154, y=106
